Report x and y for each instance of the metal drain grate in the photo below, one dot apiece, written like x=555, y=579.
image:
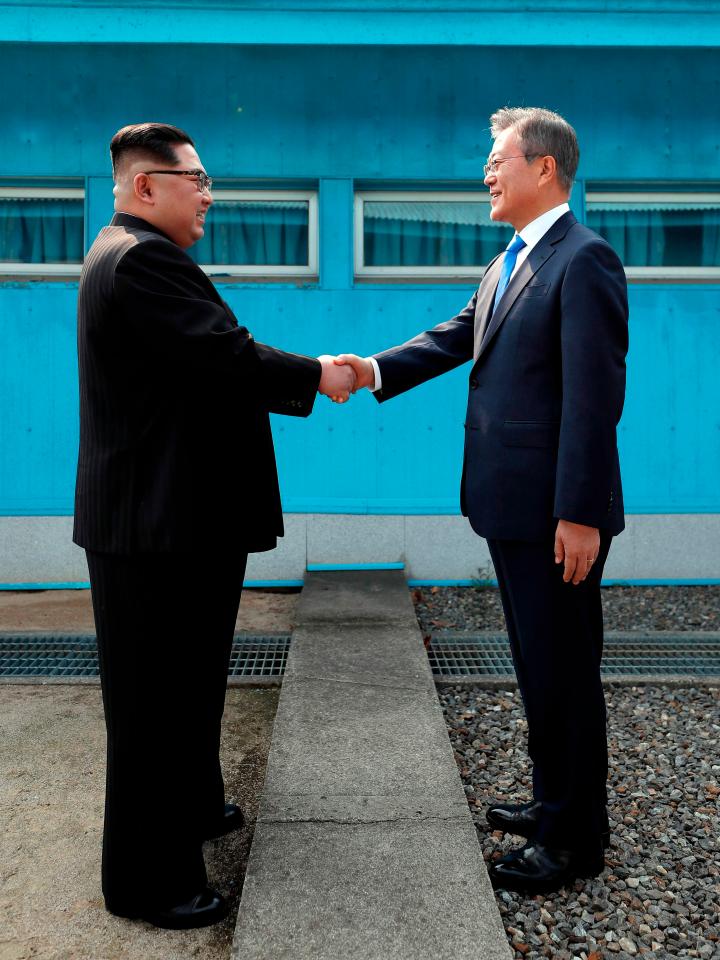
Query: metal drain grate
x=57, y=655
x=450, y=654
x=625, y=654
x=259, y=656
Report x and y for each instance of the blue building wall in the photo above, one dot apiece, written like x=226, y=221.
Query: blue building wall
x=336, y=117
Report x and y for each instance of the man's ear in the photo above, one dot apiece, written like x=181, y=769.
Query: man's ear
x=548, y=171
x=142, y=188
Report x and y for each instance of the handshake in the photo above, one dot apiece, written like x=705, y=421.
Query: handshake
x=343, y=375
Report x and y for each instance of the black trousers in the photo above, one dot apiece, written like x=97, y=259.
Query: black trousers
x=556, y=638
x=165, y=624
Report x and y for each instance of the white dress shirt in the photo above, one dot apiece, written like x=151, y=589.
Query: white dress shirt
x=532, y=234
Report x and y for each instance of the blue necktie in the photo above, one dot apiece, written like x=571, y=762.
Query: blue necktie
x=511, y=253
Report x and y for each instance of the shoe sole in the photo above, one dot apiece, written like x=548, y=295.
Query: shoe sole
x=159, y=919
x=168, y=923
x=531, y=887
x=194, y=924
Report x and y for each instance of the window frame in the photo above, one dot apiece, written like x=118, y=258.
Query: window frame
x=448, y=273
x=13, y=268
x=697, y=274
x=259, y=271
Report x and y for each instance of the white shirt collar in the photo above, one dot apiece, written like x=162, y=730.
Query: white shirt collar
x=533, y=233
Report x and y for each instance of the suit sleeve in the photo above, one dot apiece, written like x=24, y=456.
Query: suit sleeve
x=594, y=342
x=161, y=294
x=428, y=355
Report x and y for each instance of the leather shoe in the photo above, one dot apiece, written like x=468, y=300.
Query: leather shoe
x=232, y=819
x=536, y=869
x=202, y=910
x=518, y=818
x=522, y=819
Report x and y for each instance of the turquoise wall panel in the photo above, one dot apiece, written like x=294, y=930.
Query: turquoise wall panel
x=406, y=455
x=670, y=430
x=403, y=456
x=38, y=398
x=554, y=23
x=328, y=116
x=358, y=112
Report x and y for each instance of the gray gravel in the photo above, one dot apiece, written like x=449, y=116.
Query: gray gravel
x=472, y=609
x=659, y=896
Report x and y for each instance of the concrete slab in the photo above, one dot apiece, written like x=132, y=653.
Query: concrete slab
x=348, y=538
x=333, y=652
x=655, y=547
x=352, y=597
x=382, y=891
x=39, y=550
x=287, y=561
x=445, y=548
x=364, y=846
x=365, y=739
x=407, y=805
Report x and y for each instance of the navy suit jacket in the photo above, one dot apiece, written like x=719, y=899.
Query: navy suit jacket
x=176, y=451
x=546, y=387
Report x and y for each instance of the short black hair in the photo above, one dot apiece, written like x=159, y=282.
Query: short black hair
x=152, y=140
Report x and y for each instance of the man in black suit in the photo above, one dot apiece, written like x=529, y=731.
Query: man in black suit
x=547, y=336
x=176, y=484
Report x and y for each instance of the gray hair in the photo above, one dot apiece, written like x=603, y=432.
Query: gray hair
x=542, y=133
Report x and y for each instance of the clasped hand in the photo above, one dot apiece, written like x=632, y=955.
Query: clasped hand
x=344, y=375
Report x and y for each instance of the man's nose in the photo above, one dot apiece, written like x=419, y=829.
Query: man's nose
x=207, y=198
x=489, y=178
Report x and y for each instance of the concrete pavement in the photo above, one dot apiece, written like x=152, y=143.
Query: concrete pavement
x=364, y=847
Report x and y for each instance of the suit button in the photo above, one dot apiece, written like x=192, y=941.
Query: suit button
x=473, y=384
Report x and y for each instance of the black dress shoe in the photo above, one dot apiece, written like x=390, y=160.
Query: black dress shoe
x=232, y=819
x=536, y=869
x=522, y=819
x=518, y=818
x=202, y=910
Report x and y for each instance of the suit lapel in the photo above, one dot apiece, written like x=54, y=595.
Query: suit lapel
x=525, y=272
x=486, y=295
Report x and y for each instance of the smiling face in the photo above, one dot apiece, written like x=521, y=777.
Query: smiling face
x=180, y=207
x=172, y=203
x=517, y=194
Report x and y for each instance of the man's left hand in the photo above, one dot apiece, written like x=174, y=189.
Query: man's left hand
x=577, y=546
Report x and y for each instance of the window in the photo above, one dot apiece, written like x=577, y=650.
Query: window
x=260, y=234
x=41, y=230
x=660, y=234
x=423, y=234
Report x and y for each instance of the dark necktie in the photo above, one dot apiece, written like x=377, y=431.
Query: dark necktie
x=509, y=260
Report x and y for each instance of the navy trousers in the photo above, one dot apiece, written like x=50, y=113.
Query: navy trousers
x=556, y=638
x=165, y=624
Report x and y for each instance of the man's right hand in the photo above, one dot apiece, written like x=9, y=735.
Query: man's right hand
x=364, y=370
x=336, y=383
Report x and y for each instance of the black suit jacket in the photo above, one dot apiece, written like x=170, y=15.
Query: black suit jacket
x=547, y=387
x=175, y=444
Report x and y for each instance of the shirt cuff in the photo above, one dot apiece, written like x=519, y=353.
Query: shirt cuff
x=378, y=378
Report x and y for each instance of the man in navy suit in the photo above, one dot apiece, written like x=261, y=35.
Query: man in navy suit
x=547, y=336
